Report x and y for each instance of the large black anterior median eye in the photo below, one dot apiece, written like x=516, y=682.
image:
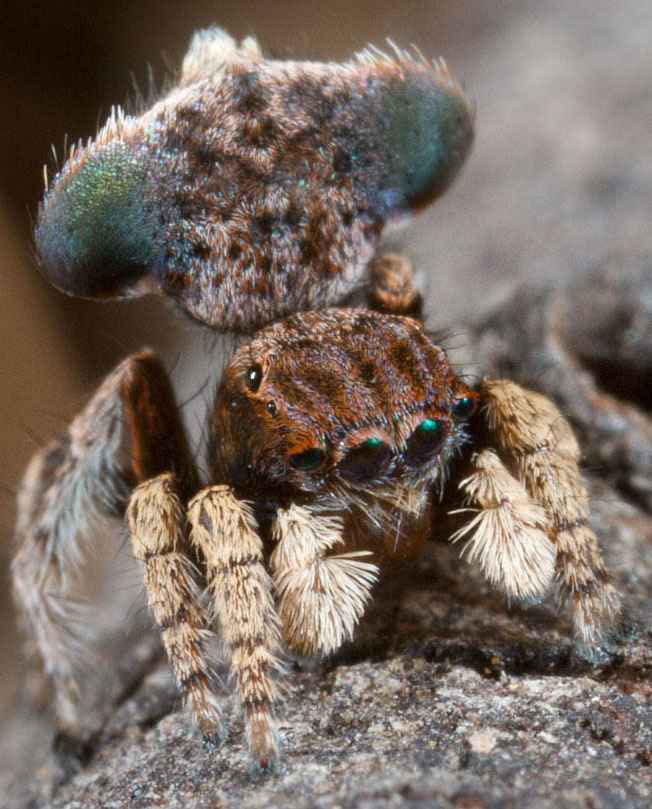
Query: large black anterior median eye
x=464, y=408
x=366, y=461
x=308, y=460
x=425, y=441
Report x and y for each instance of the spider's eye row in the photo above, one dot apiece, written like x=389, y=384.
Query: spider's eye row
x=308, y=460
x=253, y=377
x=425, y=441
x=366, y=461
x=464, y=407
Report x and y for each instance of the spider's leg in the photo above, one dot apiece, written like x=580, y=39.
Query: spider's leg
x=321, y=598
x=71, y=487
x=392, y=288
x=225, y=531
x=158, y=528
x=538, y=446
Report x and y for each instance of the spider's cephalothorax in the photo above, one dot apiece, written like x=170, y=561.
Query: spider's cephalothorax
x=344, y=410
x=329, y=433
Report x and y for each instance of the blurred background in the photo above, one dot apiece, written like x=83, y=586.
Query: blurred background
x=563, y=151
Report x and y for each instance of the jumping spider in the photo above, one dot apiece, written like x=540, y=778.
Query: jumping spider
x=334, y=435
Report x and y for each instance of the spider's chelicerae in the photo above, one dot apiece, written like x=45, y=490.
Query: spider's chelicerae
x=331, y=435
x=252, y=190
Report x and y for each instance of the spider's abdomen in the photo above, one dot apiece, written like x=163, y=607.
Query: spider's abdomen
x=255, y=188
x=341, y=398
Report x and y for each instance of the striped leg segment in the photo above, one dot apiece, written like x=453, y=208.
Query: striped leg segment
x=157, y=524
x=224, y=531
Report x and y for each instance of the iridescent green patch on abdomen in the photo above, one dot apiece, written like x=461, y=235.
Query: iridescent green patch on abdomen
x=97, y=228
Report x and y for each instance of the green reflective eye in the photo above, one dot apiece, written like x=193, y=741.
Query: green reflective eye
x=373, y=443
x=425, y=441
x=308, y=460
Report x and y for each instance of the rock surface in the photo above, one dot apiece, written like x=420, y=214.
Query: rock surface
x=450, y=698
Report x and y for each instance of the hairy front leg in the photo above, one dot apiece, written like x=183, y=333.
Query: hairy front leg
x=224, y=531
x=537, y=446
x=157, y=524
x=508, y=533
x=129, y=431
x=321, y=597
x=541, y=445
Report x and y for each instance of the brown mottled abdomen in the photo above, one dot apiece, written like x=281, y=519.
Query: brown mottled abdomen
x=255, y=188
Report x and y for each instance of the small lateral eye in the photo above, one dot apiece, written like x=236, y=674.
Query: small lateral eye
x=366, y=461
x=253, y=377
x=464, y=407
x=425, y=441
x=308, y=460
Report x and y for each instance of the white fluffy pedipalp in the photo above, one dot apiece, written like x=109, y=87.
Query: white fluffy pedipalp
x=508, y=533
x=321, y=598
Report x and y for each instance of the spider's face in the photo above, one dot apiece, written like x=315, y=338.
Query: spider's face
x=342, y=402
